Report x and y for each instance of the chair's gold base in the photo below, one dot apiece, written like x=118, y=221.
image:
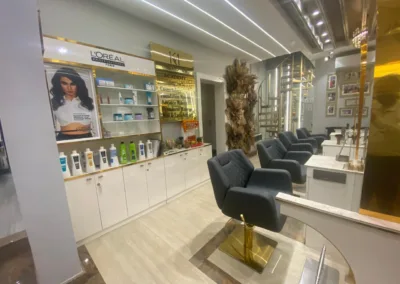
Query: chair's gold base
x=251, y=248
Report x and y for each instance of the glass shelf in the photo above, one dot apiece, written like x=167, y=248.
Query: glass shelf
x=128, y=121
x=125, y=89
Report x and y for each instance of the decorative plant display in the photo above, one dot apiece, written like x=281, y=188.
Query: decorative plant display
x=239, y=106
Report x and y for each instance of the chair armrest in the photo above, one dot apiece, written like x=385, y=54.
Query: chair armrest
x=300, y=156
x=276, y=179
x=302, y=147
x=311, y=141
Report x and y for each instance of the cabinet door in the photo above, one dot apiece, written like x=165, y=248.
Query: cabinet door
x=137, y=198
x=83, y=207
x=192, y=175
x=205, y=153
x=174, y=174
x=156, y=181
x=112, y=200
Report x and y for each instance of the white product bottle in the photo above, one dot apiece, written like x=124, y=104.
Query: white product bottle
x=103, y=158
x=149, y=149
x=134, y=97
x=90, y=167
x=113, y=156
x=142, y=153
x=120, y=98
x=76, y=163
x=64, y=165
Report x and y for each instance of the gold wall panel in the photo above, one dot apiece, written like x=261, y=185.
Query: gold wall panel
x=381, y=187
x=160, y=53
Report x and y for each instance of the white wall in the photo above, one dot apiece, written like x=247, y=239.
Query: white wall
x=92, y=22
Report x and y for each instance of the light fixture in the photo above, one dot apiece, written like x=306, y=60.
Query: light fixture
x=319, y=23
x=315, y=13
x=327, y=40
x=62, y=50
x=255, y=24
x=170, y=56
x=331, y=53
x=324, y=34
x=200, y=29
x=326, y=58
x=228, y=27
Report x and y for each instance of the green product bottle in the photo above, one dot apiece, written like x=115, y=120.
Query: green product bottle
x=122, y=153
x=132, y=152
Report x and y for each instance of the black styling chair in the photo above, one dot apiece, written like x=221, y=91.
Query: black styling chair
x=303, y=133
x=273, y=155
x=292, y=143
x=248, y=194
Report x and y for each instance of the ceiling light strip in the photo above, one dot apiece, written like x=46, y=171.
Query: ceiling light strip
x=228, y=27
x=254, y=23
x=200, y=29
x=170, y=56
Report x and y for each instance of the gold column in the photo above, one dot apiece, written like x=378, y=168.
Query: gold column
x=381, y=186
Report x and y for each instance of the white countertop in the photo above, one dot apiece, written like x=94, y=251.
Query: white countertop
x=328, y=163
x=332, y=143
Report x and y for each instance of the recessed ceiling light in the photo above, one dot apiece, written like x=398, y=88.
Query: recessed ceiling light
x=331, y=53
x=255, y=24
x=62, y=50
x=327, y=41
x=324, y=34
x=228, y=27
x=200, y=29
x=315, y=13
x=320, y=23
x=326, y=58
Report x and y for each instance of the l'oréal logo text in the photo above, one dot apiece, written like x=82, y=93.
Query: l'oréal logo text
x=107, y=58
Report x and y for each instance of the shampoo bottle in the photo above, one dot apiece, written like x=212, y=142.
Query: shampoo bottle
x=90, y=168
x=120, y=98
x=113, y=156
x=134, y=97
x=142, y=154
x=122, y=153
x=103, y=158
x=148, y=95
x=149, y=149
x=132, y=152
x=76, y=163
x=64, y=165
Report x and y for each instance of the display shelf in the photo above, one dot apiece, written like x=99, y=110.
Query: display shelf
x=105, y=138
x=125, y=89
x=133, y=120
x=128, y=105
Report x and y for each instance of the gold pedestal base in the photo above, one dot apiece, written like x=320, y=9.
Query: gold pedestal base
x=251, y=248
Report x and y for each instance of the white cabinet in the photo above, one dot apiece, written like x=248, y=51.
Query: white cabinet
x=137, y=198
x=83, y=207
x=175, y=174
x=111, y=196
x=205, y=153
x=156, y=188
x=191, y=162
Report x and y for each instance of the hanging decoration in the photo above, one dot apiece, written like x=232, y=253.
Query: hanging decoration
x=240, y=103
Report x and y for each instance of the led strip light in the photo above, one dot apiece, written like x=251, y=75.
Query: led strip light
x=228, y=27
x=255, y=24
x=200, y=29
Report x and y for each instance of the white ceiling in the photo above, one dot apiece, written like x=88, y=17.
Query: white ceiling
x=262, y=12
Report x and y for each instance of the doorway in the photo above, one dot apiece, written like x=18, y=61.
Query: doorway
x=208, y=115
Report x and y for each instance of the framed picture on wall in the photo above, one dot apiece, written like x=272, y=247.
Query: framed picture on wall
x=365, y=111
x=353, y=89
x=346, y=112
x=73, y=102
x=351, y=75
x=331, y=97
x=351, y=102
x=332, y=82
x=330, y=110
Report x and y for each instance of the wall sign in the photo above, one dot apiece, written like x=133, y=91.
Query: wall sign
x=57, y=49
x=170, y=56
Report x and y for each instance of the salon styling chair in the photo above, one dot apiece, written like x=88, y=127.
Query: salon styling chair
x=303, y=133
x=292, y=143
x=273, y=155
x=248, y=194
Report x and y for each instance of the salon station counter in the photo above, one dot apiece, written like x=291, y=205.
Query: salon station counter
x=331, y=148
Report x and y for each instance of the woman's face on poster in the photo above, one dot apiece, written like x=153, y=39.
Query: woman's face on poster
x=68, y=87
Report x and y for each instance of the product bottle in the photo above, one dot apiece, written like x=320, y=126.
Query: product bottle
x=120, y=98
x=90, y=168
x=113, y=156
x=64, y=165
x=76, y=163
x=148, y=94
x=134, y=97
x=103, y=158
x=122, y=153
x=132, y=152
x=142, y=154
x=149, y=149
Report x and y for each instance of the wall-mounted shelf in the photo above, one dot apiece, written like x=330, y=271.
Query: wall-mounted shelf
x=128, y=121
x=128, y=105
x=125, y=89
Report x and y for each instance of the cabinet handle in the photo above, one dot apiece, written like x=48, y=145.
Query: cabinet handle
x=141, y=166
x=181, y=155
x=185, y=159
x=149, y=164
x=147, y=170
x=186, y=153
x=99, y=184
x=100, y=176
x=88, y=179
